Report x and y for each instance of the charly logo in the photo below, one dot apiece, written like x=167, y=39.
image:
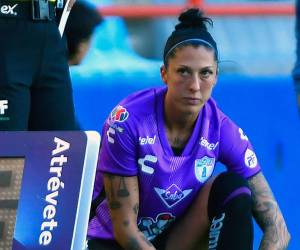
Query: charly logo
x=148, y=158
x=250, y=159
x=8, y=10
x=153, y=227
x=172, y=195
x=204, y=168
x=119, y=114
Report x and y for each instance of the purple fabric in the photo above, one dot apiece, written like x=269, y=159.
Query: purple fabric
x=235, y=193
x=134, y=142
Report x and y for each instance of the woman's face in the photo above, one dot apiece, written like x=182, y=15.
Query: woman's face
x=191, y=75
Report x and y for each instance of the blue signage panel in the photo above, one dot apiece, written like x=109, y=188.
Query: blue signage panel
x=55, y=173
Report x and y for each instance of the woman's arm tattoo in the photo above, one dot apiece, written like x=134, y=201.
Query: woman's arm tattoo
x=268, y=215
x=121, y=192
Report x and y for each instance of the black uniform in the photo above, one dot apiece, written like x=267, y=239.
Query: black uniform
x=35, y=86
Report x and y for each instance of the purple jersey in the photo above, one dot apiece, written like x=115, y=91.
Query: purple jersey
x=134, y=142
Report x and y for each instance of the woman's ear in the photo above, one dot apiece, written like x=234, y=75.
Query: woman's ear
x=163, y=73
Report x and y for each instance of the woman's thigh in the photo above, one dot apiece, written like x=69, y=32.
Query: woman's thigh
x=191, y=231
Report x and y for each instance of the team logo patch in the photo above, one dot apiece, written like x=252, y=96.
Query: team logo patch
x=172, y=195
x=119, y=114
x=204, y=168
x=250, y=159
x=153, y=227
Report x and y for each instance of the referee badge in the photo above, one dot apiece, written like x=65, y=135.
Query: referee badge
x=204, y=168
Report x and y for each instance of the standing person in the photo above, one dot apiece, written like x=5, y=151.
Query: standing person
x=296, y=71
x=35, y=85
x=159, y=151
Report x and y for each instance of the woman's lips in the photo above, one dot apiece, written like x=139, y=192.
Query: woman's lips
x=192, y=100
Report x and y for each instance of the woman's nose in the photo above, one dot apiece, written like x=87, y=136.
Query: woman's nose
x=195, y=83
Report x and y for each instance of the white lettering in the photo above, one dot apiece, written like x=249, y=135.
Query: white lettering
x=49, y=212
x=61, y=146
x=45, y=238
x=206, y=144
x=53, y=185
x=3, y=106
x=174, y=196
x=8, y=10
x=147, y=140
x=214, y=231
x=49, y=198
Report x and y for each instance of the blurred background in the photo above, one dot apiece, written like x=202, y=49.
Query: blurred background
x=257, y=46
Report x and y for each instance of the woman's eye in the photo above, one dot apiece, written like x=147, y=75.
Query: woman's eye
x=206, y=73
x=183, y=71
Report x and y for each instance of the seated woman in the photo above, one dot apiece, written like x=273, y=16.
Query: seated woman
x=159, y=150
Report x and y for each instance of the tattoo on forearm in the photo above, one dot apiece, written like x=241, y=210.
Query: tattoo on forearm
x=113, y=202
x=126, y=223
x=136, y=208
x=268, y=215
x=123, y=191
x=133, y=244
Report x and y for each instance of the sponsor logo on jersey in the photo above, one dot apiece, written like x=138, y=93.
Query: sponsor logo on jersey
x=147, y=140
x=119, y=114
x=8, y=10
x=142, y=162
x=214, y=231
x=153, y=227
x=250, y=159
x=204, y=168
x=172, y=195
x=110, y=133
x=210, y=146
x=243, y=136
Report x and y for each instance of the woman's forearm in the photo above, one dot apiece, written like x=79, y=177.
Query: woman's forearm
x=268, y=215
x=272, y=241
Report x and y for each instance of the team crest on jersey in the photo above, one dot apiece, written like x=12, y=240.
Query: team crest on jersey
x=204, y=168
x=153, y=227
x=119, y=114
x=172, y=195
x=250, y=159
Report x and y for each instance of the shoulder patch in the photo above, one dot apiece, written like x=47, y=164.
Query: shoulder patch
x=119, y=114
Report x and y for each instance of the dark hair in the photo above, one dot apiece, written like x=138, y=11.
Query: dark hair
x=81, y=23
x=191, y=30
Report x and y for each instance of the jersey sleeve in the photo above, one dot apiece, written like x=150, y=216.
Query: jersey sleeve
x=118, y=148
x=236, y=151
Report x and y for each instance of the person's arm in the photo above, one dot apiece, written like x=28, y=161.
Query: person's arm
x=268, y=215
x=123, y=198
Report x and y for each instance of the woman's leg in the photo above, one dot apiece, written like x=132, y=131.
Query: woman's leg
x=191, y=232
x=220, y=217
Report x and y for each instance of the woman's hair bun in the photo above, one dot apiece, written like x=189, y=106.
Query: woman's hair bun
x=193, y=18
